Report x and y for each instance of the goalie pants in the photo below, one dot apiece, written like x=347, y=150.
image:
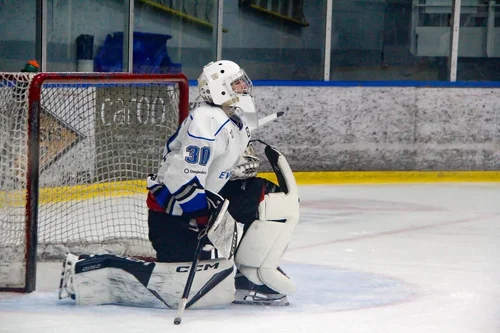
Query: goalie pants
x=171, y=238
x=245, y=196
x=173, y=241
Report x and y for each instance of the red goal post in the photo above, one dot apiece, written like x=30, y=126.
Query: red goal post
x=75, y=149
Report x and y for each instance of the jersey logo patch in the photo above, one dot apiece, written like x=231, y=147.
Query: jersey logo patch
x=225, y=175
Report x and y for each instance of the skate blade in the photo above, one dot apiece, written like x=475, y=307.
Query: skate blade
x=252, y=298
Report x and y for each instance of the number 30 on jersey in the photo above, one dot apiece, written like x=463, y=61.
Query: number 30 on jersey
x=197, y=155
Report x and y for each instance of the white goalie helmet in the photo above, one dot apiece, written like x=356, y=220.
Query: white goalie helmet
x=224, y=83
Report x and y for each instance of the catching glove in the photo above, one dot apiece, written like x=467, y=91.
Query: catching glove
x=247, y=165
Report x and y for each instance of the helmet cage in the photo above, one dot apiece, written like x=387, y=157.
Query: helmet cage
x=239, y=84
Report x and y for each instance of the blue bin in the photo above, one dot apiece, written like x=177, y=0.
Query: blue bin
x=150, y=54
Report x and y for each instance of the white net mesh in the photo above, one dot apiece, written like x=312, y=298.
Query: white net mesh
x=98, y=141
x=13, y=145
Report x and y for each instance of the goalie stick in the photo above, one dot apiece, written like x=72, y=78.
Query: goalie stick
x=218, y=215
x=189, y=282
x=265, y=120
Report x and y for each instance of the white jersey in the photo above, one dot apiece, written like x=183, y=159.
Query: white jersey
x=201, y=155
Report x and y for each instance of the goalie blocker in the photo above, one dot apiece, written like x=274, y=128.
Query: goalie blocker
x=254, y=254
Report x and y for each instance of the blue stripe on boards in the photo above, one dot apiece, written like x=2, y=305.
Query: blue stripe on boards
x=420, y=84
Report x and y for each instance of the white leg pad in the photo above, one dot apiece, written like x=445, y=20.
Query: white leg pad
x=271, y=277
x=261, y=251
x=275, y=280
x=132, y=282
x=251, y=273
x=264, y=243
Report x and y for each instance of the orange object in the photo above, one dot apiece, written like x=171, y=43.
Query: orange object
x=33, y=63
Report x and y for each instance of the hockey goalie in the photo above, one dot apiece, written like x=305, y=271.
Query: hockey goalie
x=208, y=213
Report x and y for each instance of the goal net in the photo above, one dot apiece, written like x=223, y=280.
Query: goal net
x=75, y=149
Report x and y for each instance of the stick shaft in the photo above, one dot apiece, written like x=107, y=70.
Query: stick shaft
x=189, y=283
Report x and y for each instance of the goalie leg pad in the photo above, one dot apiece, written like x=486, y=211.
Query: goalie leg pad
x=66, y=284
x=260, y=253
x=110, y=279
x=264, y=243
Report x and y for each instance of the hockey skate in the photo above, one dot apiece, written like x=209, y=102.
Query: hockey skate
x=66, y=285
x=250, y=293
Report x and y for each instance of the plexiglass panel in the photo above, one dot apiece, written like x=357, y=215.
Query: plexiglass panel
x=85, y=36
x=479, y=42
x=276, y=40
x=17, y=34
x=389, y=40
x=174, y=36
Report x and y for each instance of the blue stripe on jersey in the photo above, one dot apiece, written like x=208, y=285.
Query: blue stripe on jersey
x=192, y=183
x=199, y=202
x=199, y=137
x=221, y=127
x=172, y=138
x=239, y=123
x=162, y=195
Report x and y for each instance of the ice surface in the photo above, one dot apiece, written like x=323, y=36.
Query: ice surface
x=365, y=258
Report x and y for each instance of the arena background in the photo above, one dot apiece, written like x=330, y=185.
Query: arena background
x=380, y=101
